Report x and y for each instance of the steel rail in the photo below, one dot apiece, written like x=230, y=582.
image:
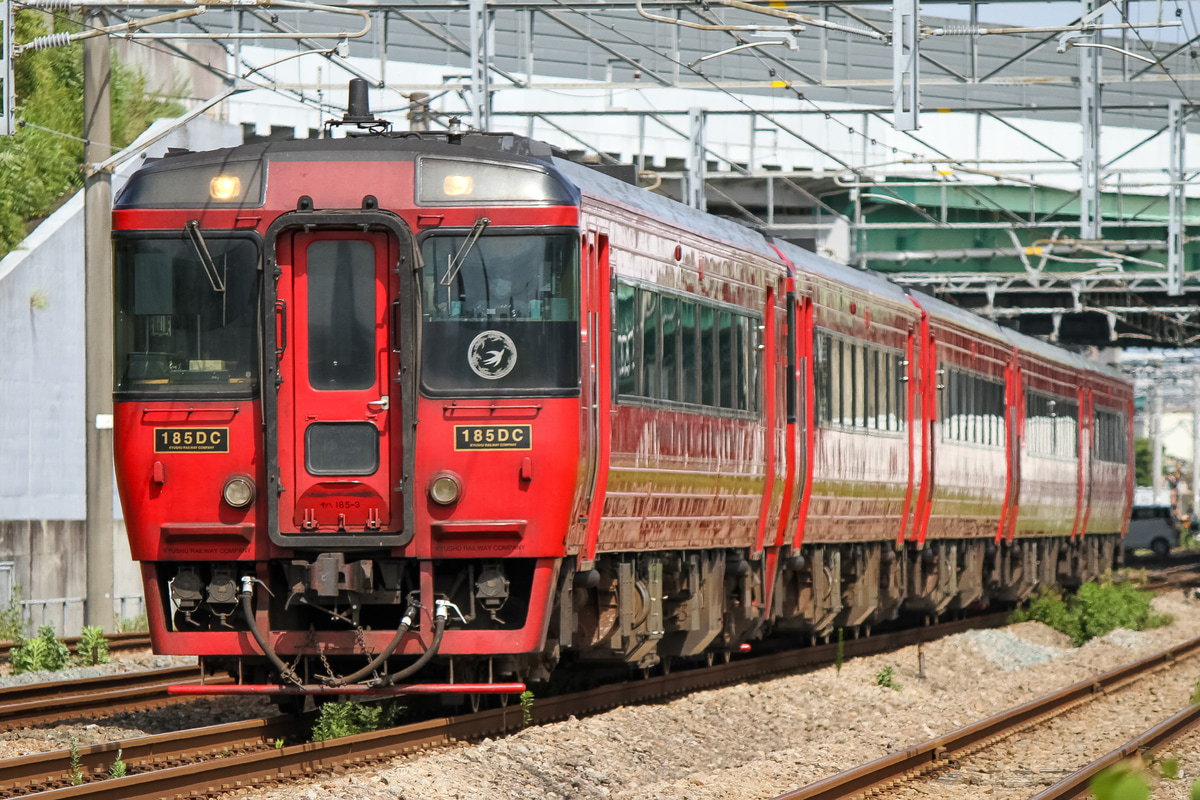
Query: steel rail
x=1078, y=783
x=935, y=752
x=26, y=773
x=35, y=703
x=242, y=769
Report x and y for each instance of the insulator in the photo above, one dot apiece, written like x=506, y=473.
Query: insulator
x=957, y=30
x=46, y=42
x=45, y=5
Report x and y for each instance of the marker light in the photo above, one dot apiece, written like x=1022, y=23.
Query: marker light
x=445, y=488
x=224, y=187
x=239, y=492
x=458, y=185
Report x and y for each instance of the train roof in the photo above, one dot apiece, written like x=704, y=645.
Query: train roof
x=872, y=282
x=1021, y=341
x=600, y=185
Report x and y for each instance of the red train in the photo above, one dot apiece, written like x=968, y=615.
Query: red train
x=447, y=403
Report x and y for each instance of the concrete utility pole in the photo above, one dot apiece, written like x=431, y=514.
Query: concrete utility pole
x=1156, y=465
x=98, y=324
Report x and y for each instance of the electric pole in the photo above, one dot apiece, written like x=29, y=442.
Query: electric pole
x=98, y=324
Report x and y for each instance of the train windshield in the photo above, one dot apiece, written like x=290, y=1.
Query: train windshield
x=500, y=313
x=185, y=315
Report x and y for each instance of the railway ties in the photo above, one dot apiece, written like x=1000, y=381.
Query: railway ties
x=210, y=760
x=930, y=761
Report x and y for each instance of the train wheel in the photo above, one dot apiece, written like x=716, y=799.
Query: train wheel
x=476, y=702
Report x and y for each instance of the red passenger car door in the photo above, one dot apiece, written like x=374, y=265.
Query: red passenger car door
x=335, y=412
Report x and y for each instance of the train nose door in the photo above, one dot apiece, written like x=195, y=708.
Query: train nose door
x=336, y=416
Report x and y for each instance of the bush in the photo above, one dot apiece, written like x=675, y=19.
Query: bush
x=1097, y=609
x=45, y=652
x=335, y=720
x=138, y=624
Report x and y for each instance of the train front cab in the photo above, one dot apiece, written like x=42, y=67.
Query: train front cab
x=415, y=452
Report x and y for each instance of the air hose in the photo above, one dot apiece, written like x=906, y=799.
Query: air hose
x=439, y=628
x=247, y=596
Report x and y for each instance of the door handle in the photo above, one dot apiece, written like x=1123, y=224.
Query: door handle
x=381, y=402
x=281, y=329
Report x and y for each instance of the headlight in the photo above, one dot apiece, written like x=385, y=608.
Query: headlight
x=445, y=488
x=239, y=492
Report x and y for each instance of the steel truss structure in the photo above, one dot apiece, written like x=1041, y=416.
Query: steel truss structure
x=839, y=106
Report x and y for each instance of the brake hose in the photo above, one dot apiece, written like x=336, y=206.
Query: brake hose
x=247, y=595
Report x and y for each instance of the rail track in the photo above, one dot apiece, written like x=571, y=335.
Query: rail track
x=876, y=777
x=117, y=642
x=56, y=701
x=224, y=757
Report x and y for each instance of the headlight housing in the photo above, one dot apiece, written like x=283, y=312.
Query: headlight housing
x=238, y=491
x=445, y=488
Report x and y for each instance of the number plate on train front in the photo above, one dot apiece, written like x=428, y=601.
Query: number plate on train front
x=492, y=437
x=191, y=440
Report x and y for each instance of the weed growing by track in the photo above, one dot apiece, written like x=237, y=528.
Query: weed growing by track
x=118, y=768
x=886, y=678
x=335, y=720
x=93, y=647
x=12, y=618
x=526, y=698
x=76, y=772
x=43, y=652
x=1096, y=609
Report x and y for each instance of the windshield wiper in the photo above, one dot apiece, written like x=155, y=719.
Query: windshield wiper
x=206, y=260
x=461, y=256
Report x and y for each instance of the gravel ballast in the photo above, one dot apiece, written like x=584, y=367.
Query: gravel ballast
x=761, y=739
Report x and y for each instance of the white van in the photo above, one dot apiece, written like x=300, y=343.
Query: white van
x=1153, y=527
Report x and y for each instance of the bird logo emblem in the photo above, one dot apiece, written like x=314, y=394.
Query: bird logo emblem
x=492, y=355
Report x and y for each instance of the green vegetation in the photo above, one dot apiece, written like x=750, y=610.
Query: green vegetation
x=1142, y=462
x=335, y=720
x=93, y=647
x=40, y=163
x=44, y=652
x=1131, y=779
x=118, y=768
x=12, y=618
x=526, y=698
x=886, y=678
x=1095, y=610
x=76, y=772
x=138, y=624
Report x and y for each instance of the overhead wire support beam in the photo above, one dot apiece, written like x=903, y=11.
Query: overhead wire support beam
x=481, y=90
x=1089, y=114
x=905, y=65
x=697, y=160
x=1176, y=198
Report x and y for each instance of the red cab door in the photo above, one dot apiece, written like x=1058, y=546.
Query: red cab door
x=336, y=416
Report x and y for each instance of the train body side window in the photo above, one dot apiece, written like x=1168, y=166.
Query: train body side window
x=1111, y=437
x=856, y=384
x=680, y=350
x=972, y=407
